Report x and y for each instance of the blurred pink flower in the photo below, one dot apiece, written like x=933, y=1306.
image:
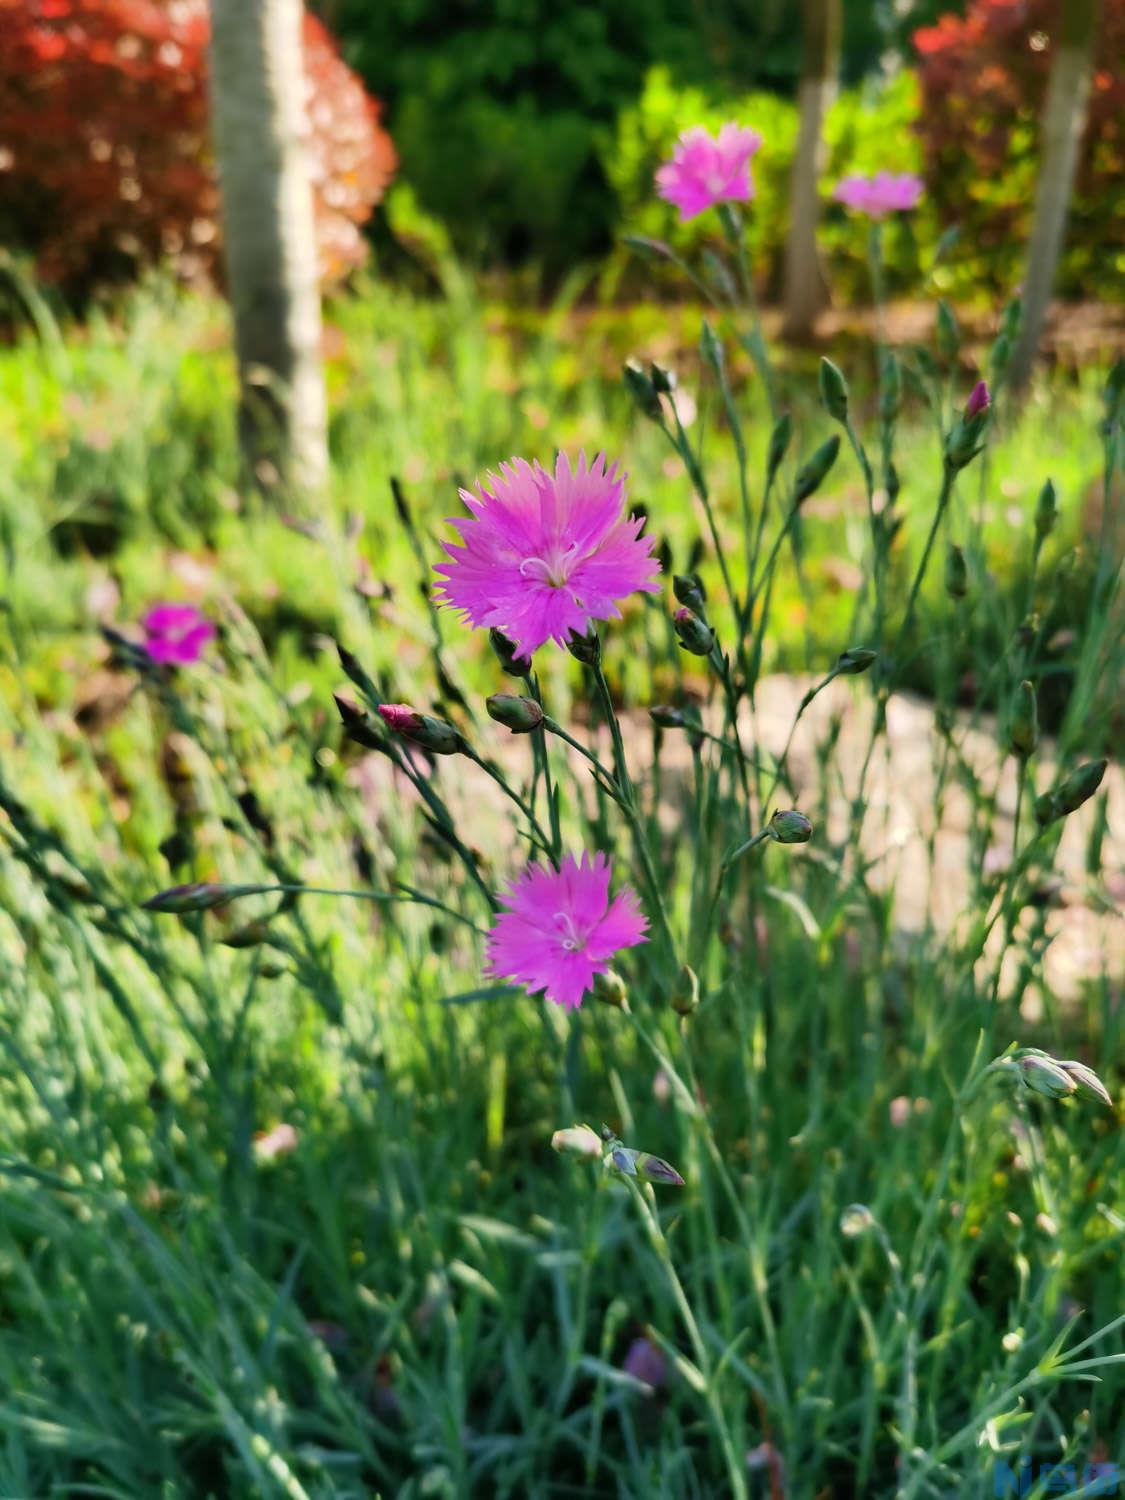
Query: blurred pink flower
x=645, y=1362
x=560, y=928
x=176, y=633
x=276, y=1142
x=882, y=194
x=544, y=555
x=707, y=169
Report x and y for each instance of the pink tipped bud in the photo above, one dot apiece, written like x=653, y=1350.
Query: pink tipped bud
x=578, y=1140
x=1087, y=1082
x=979, y=399
x=202, y=896
x=431, y=734
x=1043, y=1075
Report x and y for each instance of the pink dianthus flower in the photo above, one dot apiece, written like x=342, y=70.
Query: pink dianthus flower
x=560, y=928
x=880, y=195
x=544, y=555
x=176, y=633
x=707, y=169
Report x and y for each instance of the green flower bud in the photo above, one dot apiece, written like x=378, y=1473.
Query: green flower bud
x=833, y=390
x=434, y=735
x=855, y=1220
x=1046, y=512
x=505, y=652
x=586, y=648
x=202, y=896
x=1046, y=809
x=643, y=392
x=947, y=333
x=610, y=989
x=1079, y=787
x=250, y=936
x=854, y=660
x=999, y=356
x=1043, y=1075
x=1010, y=322
x=1023, y=734
x=811, y=474
x=663, y=381
x=790, y=827
x=641, y=1164
x=685, y=992
x=689, y=592
x=669, y=717
x=520, y=715
x=779, y=443
x=693, y=634
x=956, y=572
x=358, y=724
x=1087, y=1082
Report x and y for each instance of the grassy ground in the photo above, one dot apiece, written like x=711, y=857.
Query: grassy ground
x=409, y=1294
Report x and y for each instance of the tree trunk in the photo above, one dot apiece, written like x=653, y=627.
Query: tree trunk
x=259, y=125
x=1064, y=121
x=805, y=288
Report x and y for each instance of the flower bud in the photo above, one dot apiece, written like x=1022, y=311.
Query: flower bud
x=856, y=1219
x=1087, y=1082
x=894, y=488
x=610, y=989
x=685, y=992
x=1043, y=1075
x=431, y=734
x=202, y=896
x=251, y=936
x=947, y=334
x=663, y=381
x=358, y=724
x=833, y=391
x=586, y=648
x=520, y=715
x=1070, y=794
x=979, y=400
x=577, y=1140
x=956, y=572
x=999, y=355
x=1023, y=734
x=779, y=443
x=631, y=1163
x=790, y=827
x=1046, y=512
x=1010, y=322
x=688, y=590
x=667, y=717
x=854, y=660
x=505, y=652
x=810, y=476
x=643, y=392
x=693, y=634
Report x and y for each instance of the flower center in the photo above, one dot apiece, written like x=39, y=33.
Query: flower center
x=554, y=569
x=573, y=941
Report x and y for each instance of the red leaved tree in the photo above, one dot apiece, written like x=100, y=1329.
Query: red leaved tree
x=105, y=162
x=984, y=79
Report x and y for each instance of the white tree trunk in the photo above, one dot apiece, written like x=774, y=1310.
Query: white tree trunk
x=259, y=126
x=805, y=288
x=1064, y=123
